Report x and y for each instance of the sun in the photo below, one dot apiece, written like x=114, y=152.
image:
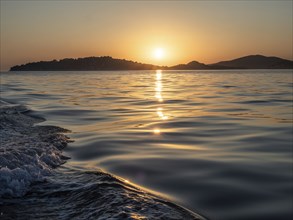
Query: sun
x=159, y=53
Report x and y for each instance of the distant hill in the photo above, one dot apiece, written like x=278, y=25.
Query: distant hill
x=256, y=62
x=88, y=63
x=193, y=65
x=109, y=63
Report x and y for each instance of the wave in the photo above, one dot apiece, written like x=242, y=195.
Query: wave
x=31, y=187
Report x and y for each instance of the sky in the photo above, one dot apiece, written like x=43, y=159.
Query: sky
x=157, y=32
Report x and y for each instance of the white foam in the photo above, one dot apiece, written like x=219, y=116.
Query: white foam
x=27, y=153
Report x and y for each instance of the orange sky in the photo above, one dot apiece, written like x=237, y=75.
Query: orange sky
x=206, y=31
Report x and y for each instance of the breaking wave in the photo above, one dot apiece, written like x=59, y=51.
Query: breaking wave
x=31, y=187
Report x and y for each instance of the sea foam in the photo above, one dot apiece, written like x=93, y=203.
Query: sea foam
x=28, y=153
x=32, y=189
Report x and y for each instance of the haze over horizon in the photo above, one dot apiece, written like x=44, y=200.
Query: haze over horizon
x=156, y=32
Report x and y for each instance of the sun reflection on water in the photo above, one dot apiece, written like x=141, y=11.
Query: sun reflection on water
x=159, y=86
x=161, y=114
x=157, y=131
x=159, y=97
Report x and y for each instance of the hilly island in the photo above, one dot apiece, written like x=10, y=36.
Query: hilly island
x=109, y=63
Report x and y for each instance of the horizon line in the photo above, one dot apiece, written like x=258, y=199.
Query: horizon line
x=165, y=66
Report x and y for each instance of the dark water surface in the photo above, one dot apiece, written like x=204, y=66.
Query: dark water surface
x=217, y=142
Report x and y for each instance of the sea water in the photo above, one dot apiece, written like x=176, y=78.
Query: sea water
x=216, y=142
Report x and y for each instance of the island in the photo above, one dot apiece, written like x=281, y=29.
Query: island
x=109, y=63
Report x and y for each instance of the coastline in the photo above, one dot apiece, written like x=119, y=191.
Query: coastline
x=33, y=188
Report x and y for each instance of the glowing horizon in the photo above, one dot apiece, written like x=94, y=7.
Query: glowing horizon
x=179, y=31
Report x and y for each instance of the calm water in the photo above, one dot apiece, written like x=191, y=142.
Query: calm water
x=217, y=142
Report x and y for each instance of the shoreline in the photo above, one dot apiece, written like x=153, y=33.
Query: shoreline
x=29, y=156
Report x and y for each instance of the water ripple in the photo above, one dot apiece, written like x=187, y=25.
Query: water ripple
x=218, y=142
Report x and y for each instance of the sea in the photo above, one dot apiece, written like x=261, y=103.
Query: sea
x=216, y=142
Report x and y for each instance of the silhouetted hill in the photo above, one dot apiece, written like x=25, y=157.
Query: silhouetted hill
x=109, y=63
x=193, y=65
x=256, y=62
x=88, y=63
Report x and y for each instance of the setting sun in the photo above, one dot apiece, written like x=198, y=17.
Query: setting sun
x=159, y=53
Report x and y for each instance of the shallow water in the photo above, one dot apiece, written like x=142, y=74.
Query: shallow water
x=218, y=142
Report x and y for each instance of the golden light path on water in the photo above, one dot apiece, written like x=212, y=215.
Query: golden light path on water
x=187, y=135
x=159, y=97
